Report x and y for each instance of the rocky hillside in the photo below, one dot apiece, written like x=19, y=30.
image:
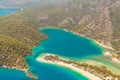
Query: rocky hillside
x=96, y=19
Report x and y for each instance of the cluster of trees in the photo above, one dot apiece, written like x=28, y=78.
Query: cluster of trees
x=100, y=71
x=17, y=37
x=12, y=52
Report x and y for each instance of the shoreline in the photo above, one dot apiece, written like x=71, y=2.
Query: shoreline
x=103, y=45
x=70, y=66
x=113, y=59
x=75, y=33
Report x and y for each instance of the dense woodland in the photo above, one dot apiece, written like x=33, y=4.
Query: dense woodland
x=12, y=52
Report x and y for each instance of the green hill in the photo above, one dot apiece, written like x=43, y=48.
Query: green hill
x=12, y=52
x=19, y=29
x=17, y=37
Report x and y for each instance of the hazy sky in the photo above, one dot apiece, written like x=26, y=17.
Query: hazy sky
x=26, y=3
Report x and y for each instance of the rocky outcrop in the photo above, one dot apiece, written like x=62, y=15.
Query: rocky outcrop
x=67, y=22
x=97, y=26
x=116, y=4
x=43, y=18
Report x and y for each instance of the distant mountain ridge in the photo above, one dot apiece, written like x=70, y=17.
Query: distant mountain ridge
x=26, y=3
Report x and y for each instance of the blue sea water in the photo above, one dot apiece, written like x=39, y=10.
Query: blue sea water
x=7, y=74
x=59, y=42
x=66, y=44
x=7, y=11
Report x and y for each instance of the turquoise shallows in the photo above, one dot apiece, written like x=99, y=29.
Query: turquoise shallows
x=7, y=11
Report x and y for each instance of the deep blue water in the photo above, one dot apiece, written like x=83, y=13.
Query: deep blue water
x=61, y=43
x=7, y=11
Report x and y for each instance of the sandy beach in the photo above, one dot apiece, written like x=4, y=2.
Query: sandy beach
x=107, y=53
x=83, y=72
x=102, y=45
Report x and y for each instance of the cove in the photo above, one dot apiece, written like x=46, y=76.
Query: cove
x=4, y=12
x=62, y=43
x=66, y=44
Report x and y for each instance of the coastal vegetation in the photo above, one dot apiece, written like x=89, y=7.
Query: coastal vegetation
x=102, y=72
x=12, y=53
x=10, y=46
x=17, y=38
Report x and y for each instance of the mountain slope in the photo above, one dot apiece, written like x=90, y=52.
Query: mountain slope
x=89, y=18
x=95, y=19
x=12, y=52
x=19, y=29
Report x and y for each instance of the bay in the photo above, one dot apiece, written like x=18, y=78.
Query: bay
x=66, y=44
x=59, y=42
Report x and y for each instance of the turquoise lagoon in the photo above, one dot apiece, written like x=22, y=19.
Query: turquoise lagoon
x=62, y=43
x=66, y=44
x=7, y=11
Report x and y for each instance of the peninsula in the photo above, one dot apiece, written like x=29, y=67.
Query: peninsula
x=90, y=71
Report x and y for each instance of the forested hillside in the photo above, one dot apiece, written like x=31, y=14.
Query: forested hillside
x=12, y=52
